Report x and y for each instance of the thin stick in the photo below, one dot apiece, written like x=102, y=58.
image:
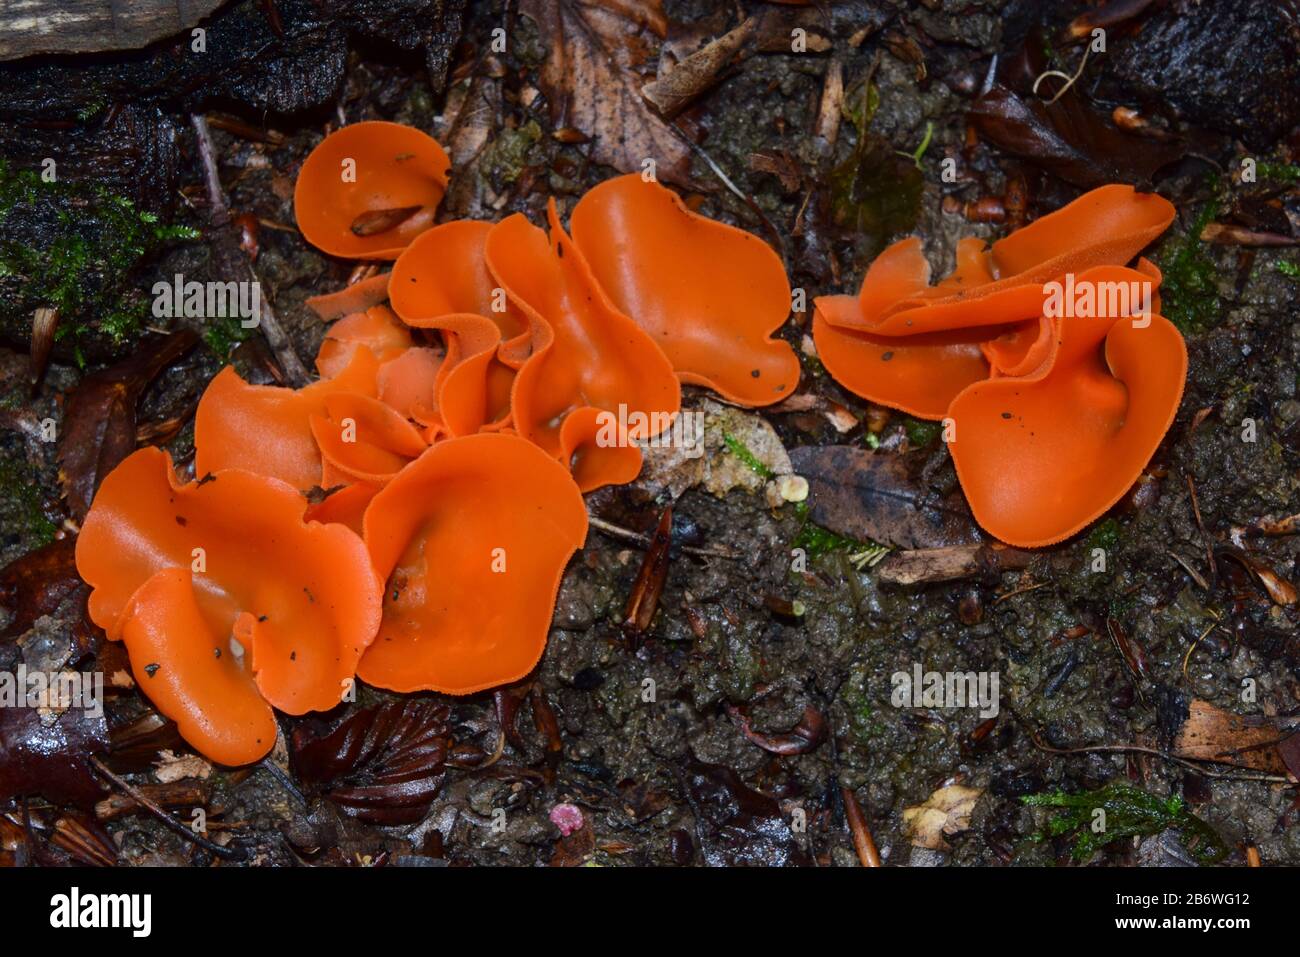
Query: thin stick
x=1020, y=591
x=627, y=535
x=1209, y=549
x=1156, y=752
x=219, y=215
x=170, y=822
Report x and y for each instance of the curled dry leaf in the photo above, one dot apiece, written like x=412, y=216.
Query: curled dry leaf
x=99, y=426
x=36, y=584
x=171, y=767
x=45, y=323
x=676, y=87
x=871, y=496
x=51, y=759
x=595, y=52
x=383, y=764
x=945, y=812
x=1278, y=588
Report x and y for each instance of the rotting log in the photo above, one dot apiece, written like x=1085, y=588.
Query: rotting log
x=30, y=27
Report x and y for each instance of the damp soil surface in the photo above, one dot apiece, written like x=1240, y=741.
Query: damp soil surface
x=761, y=696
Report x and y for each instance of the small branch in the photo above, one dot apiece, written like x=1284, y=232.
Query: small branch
x=636, y=538
x=1156, y=752
x=170, y=822
x=233, y=259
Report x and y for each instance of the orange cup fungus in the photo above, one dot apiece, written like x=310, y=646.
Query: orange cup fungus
x=408, y=516
x=369, y=189
x=228, y=602
x=1045, y=355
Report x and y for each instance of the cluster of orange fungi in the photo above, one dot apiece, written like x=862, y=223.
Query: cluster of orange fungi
x=1051, y=407
x=466, y=400
x=470, y=396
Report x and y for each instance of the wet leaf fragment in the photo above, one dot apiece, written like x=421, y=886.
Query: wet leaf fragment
x=383, y=764
x=643, y=602
x=595, y=52
x=741, y=827
x=1068, y=139
x=871, y=496
x=99, y=424
x=52, y=760
x=36, y=584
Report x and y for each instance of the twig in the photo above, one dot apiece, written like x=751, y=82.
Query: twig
x=1187, y=567
x=627, y=535
x=1020, y=591
x=1209, y=547
x=1187, y=658
x=748, y=200
x=219, y=215
x=170, y=822
x=1155, y=752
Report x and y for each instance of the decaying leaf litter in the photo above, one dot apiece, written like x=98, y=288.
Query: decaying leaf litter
x=771, y=688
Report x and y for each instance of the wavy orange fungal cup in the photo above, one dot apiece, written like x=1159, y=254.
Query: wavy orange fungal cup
x=1003, y=284
x=1041, y=456
x=471, y=540
x=226, y=598
x=368, y=189
x=585, y=354
x=709, y=294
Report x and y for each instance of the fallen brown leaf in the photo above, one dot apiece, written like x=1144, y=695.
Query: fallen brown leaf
x=383, y=765
x=36, y=584
x=51, y=759
x=676, y=87
x=870, y=496
x=596, y=50
x=99, y=424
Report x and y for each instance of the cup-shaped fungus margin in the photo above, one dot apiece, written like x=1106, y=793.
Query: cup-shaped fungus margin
x=923, y=372
x=358, y=297
x=267, y=429
x=709, y=294
x=444, y=273
x=585, y=353
x=368, y=189
x=1041, y=456
x=363, y=440
x=377, y=329
x=919, y=375
x=471, y=540
x=224, y=594
x=1106, y=226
